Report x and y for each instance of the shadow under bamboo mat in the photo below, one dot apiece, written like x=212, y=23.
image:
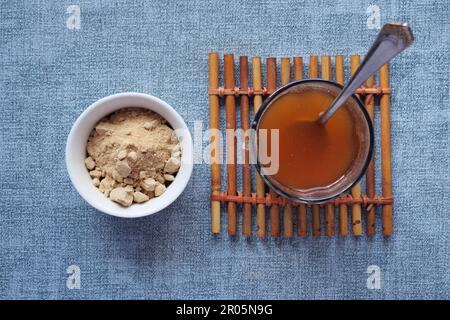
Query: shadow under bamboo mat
x=264, y=204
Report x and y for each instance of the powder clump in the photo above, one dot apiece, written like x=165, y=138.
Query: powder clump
x=133, y=155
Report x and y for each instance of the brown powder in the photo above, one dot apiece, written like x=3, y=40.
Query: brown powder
x=132, y=155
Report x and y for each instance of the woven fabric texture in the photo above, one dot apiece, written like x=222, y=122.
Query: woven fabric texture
x=51, y=71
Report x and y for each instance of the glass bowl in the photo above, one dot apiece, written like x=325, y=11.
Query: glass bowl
x=363, y=130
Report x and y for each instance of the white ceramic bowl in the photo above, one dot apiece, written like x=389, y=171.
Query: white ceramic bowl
x=76, y=153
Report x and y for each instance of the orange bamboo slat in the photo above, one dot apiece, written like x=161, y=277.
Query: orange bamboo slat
x=285, y=72
x=302, y=229
x=370, y=172
x=298, y=68
x=268, y=200
x=313, y=67
x=386, y=173
x=287, y=217
x=221, y=91
x=271, y=79
x=260, y=187
x=343, y=209
x=230, y=108
x=326, y=67
x=329, y=208
x=314, y=73
x=355, y=60
x=214, y=141
x=316, y=220
x=246, y=171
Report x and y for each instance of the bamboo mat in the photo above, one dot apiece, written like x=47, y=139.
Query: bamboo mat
x=280, y=213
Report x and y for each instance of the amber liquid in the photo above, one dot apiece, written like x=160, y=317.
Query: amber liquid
x=310, y=154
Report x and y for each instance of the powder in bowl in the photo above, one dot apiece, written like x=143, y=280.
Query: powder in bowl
x=133, y=155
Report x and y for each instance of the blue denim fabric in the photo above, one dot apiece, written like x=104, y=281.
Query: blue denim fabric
x=50, y=74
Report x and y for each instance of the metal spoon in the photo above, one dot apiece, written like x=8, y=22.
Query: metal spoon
x=392, y=39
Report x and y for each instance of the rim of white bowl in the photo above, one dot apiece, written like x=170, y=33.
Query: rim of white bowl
x=156, y=204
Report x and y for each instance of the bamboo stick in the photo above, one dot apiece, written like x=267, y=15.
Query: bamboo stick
x=240, y=92
x=313, y=66
x=356, y=190
x=326, y=67
x=343, y=209
x=285, y=72
x=313, y=73
x=230, y=105
x=370, y=172
x=282, y=201
x=245, y=125
x=214, y=141
x=329, y=207
x=260, y=187
x=298, y=68
x=316, y=220
x=271, y=79
x=287, y=218
x=302, y=229
x=386, y=173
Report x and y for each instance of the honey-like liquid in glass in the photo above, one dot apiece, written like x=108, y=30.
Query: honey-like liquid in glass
x=310, y=154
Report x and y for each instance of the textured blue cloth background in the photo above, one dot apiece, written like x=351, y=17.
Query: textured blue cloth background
x=50, y=74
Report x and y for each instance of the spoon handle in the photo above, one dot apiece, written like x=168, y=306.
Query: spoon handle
x=392, y=39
